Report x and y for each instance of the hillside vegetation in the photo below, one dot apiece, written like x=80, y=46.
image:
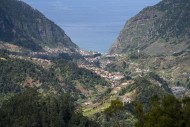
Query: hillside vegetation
x=166, y=112
x=63, y=76
x=162, y=29
x=42, y=111
x=24, y=26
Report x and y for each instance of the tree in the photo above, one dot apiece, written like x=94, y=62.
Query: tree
x=31, y=109
x=167, y=112
x=116, y=113
x=139, y=115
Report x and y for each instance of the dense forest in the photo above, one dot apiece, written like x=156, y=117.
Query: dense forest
x=31, y=109
x=165, y=112
x=14, y=73
x=75, y=75
x=50, y=110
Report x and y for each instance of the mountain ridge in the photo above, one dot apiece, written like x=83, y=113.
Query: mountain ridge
x=24, y=26
x=161, y=29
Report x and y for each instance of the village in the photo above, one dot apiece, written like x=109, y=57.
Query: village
x=109, y=76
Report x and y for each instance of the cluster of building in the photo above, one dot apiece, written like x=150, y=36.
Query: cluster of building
x=86, y=53
x=1, y=58
x=110, y=76
x=56, y=50
x=38, y=53
x=43, y=62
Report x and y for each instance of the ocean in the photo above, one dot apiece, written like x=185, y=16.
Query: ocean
x=92, y=24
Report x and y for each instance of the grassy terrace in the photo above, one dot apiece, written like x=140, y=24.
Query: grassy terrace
x=93, y=110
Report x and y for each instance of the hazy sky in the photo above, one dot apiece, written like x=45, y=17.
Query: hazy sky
x=91, y=24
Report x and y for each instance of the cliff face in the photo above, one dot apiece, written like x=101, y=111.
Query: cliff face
x=20, y=24
x=163, y=29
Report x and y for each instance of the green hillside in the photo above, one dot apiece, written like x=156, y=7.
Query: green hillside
x=24, y=26
x=162, y=29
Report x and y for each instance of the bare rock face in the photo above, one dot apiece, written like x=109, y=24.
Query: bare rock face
x=20, y=24
x=163, y=29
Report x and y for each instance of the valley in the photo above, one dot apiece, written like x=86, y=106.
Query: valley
x=171, y=71
x=145, y=72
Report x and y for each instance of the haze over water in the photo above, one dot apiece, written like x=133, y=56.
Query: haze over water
x=91, y=24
